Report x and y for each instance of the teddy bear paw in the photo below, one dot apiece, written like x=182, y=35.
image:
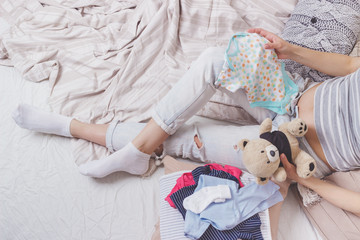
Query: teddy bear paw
x=262, y=180
x=306, y=169
x=280, y=174
x=297, y=127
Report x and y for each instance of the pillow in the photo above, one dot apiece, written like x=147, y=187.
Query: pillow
x=330, y=221
x=327, y=26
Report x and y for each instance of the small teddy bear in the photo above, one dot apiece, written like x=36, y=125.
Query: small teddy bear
x=261, y=156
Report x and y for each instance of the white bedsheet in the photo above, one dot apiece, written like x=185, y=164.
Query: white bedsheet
x=111, y=59
x=42, y=195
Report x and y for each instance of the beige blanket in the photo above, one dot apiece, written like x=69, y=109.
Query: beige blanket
x=111, y=59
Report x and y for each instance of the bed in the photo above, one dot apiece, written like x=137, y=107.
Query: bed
x=44, y=197
x=42, y=194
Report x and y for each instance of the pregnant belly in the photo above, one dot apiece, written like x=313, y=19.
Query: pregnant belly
x=306, y=113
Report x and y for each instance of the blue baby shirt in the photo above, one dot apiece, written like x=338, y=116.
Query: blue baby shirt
x=245, y=202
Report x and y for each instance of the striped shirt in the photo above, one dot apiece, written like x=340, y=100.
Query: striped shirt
x=337, y=121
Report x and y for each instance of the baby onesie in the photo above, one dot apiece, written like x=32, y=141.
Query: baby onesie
x=256, y=70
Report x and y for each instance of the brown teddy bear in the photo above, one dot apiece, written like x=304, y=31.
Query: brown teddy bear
x=261, y=156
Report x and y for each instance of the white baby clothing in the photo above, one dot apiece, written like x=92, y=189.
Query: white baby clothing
x=256, y=70
x=200, y=200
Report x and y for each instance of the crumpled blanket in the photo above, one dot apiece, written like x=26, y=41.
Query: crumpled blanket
x=111, y=59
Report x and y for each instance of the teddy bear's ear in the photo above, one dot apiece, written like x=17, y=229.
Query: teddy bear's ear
x=243, y=143
x=266, y=126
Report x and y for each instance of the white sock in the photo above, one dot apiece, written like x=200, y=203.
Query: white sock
x=38, y=120
x=200, y=200
x=128, y=159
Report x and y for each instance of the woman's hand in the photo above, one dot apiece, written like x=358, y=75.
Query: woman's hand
x=282, y=48
x=340, y=197
x=291, y=175
x=284, y=186
x=333, y=64
x=289, y=168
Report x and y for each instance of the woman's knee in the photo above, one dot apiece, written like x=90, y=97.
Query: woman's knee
x=213, y=56
x=211, y=61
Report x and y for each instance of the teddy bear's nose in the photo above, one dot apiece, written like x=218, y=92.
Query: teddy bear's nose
x=272, y=153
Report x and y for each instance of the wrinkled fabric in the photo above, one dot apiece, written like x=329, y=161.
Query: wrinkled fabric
x=187, y=179
x=115, y=59
x=249, y=229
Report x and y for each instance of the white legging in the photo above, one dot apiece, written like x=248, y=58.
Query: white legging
x=195, y=89
x=183, y=101
x=218, y=140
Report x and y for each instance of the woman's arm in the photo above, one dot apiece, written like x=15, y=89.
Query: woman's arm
x=340, y=197
x=274, y=211
x=329, y=63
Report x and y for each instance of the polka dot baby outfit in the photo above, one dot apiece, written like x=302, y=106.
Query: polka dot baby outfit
x=256, y=70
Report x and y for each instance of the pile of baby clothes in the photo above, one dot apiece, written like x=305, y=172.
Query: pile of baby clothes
x=215, y=204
